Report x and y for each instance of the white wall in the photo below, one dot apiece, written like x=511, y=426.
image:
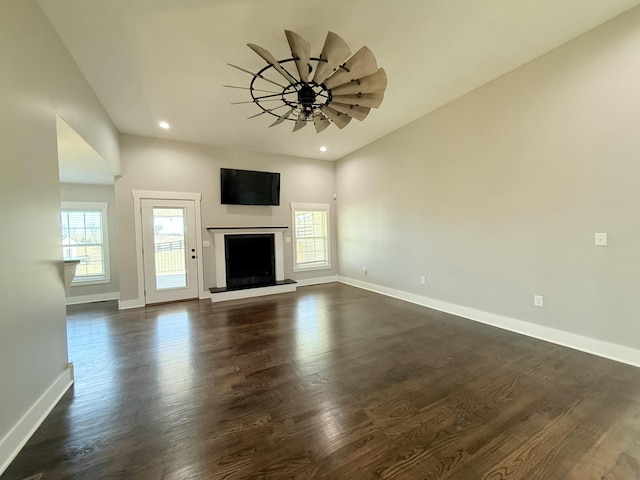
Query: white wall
x=38, y=80
x=152, y=164
x=76, y=192
x=497, y=196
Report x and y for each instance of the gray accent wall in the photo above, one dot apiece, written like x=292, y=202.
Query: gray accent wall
x=162, y=165
x=39, y=80
x=496, y=197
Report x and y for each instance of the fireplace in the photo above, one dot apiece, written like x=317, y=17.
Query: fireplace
x=250, y=260
x=253, y=273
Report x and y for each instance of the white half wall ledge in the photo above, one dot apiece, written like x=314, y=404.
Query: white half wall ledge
x=21, y=432
x=611, y=351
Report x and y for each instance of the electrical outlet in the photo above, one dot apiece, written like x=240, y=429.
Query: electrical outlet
x=364, y=270
x=538, y=300
x=423, y=280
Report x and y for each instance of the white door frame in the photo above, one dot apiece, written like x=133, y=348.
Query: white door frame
x=138, y=195
x=188, y=290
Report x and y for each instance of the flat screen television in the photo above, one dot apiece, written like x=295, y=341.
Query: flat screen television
x=248, y=187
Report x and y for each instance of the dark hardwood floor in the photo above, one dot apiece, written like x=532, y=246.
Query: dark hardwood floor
x=330, y=382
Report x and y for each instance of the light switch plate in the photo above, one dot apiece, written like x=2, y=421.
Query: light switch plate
x=601, y=239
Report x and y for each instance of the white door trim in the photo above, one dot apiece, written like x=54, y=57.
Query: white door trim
x=154, y=292
x=138, y=195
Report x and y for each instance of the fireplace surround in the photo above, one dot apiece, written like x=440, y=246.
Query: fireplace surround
x=252, y=279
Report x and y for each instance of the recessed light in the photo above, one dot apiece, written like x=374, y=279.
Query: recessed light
x=164, y=125
x=323, y=148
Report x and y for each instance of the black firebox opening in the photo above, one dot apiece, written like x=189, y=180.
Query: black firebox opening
x=250, y=260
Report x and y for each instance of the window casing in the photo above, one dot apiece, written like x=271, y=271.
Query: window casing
x=85, y=237
x=310, y=226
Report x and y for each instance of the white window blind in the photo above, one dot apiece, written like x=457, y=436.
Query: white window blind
x=311, y=236
x=84, y=237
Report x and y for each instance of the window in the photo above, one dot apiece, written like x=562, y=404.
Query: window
x=84, y=237
x=310, y=236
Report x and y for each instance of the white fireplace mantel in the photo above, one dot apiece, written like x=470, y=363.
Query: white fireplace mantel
x=251, y=229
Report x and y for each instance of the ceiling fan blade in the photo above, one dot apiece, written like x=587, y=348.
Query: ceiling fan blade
x=265, y=111
x=376, y=83
x=300, y=124
x=362, y=64
x=321, y=122
x=359, y=113
x=371, y=100
x=301, y=49
x=271, y=60
x=260, y=99
x=256, y=115
x=281, y=118
x=335, y=51
x=254, y=89
x=255, y=75
x=340, y=119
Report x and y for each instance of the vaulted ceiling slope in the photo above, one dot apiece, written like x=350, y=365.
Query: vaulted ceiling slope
x=152, y=60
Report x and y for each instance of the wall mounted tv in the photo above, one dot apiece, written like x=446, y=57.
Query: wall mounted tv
x=248, y=187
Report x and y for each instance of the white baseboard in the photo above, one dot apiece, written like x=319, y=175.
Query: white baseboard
x=101, y=297
x=126, y=304
x=316, y=281
x=21, y=432
x=608, y=350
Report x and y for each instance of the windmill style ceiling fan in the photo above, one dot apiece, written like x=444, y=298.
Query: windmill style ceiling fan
x=332, y=88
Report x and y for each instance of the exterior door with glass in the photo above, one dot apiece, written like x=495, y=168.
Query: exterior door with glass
x=169, y=250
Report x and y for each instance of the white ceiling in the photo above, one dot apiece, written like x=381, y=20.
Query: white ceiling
x=152, y=60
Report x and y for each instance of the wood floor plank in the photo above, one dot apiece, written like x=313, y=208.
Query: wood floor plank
x=329, y=382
